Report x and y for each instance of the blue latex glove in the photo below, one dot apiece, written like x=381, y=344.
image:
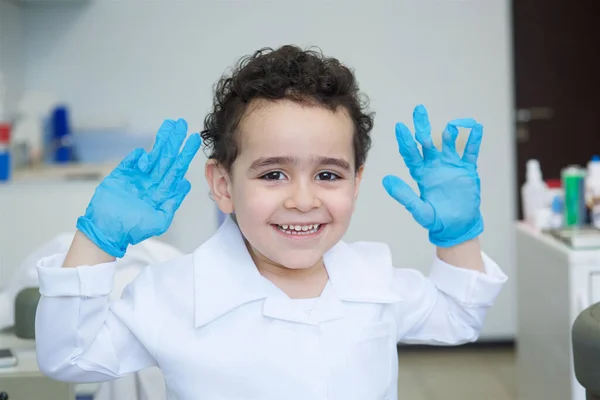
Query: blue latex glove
x=448, y=205
x=139, y=198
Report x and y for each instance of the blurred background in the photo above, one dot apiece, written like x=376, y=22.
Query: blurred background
x=86, y=81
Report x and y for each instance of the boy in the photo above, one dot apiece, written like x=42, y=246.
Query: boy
x=274, y=305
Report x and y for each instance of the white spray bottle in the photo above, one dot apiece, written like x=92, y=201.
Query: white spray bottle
x=534, y=193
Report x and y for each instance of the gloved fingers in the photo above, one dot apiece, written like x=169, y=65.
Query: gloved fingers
x=450, y=134
x=170, y=150
x=463, y=122
x=423, y=132
x=449, y=143
x=408, y=147
x=147, y=162
x=131, y=159
x=171, y=205
x=471, y=152
x=182, y=163
x=402, y=193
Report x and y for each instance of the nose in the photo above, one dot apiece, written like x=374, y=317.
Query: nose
x=302, y=197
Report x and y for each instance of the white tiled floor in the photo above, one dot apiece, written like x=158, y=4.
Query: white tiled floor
x=463, y=373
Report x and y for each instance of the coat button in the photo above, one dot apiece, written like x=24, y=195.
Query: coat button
x=3, y=396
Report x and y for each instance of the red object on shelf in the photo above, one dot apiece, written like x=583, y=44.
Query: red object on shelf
x=554, y=183
x=4, y=133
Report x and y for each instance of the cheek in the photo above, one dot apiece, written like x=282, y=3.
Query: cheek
x=340, y=203
x=255, y=201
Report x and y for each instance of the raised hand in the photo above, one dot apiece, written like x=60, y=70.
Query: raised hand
x=448, y=205
x=139, y=198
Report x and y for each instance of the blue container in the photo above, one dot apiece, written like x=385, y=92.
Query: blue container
x=4, y=165
x=5, y=162
x=61, y=136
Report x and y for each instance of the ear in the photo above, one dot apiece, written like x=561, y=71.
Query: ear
x=220, y=185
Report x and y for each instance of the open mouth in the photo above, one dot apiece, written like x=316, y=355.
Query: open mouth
x=299, y=230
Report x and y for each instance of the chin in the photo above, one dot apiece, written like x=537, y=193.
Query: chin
x=293, y=260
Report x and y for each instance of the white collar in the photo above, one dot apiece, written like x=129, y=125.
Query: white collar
x=225, y=277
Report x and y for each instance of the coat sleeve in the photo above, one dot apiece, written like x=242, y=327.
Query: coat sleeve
x=80, y=335
x=449, y=306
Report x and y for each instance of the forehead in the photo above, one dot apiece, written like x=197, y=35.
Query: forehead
x=292, y=129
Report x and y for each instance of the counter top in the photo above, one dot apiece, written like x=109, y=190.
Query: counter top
x=67, y=172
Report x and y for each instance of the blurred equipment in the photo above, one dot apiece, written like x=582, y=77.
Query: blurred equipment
x=28, y=141
x=592, y=190
x=5, y=127
x=534, y=194
x=5, y=159
x=573, y=183
x=586, y=350
x=62, y=141
x=25, y=306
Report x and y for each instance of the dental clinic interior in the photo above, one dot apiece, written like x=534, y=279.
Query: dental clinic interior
x=84, y=82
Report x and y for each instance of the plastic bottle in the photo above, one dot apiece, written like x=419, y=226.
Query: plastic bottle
x=592, y=190
x=557, y=217
x=5, y=161
x=61, y=131
x=534, y=194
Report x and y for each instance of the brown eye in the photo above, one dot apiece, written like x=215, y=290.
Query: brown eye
x=273, y=176
x=327, y=176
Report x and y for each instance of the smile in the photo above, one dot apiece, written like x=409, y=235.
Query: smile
x=299, y=230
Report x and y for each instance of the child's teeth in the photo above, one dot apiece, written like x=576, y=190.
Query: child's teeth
x=299, y=229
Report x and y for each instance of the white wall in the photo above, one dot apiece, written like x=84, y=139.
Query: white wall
x=11, y=52
x=144, y=61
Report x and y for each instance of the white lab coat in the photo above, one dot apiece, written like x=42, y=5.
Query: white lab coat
x=146, y=253
x=220, y=331
x=144, y=385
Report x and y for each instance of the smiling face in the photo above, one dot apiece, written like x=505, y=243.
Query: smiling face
x=293, y=186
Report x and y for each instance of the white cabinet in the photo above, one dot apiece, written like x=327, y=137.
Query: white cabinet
x=554, y=284
x=32, y=214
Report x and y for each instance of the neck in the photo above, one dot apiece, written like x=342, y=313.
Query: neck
x=296, y=283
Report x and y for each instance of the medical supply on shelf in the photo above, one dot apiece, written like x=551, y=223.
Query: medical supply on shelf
x=534, y=194
x=573, y=179
x=592, y=190
x=62, y=142
x=557, y=207
x=31, y=136
x=5, y=160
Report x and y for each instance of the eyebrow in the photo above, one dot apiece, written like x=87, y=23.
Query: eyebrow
x=263, y=162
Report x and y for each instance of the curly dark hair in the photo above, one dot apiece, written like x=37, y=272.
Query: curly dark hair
x=304, y=76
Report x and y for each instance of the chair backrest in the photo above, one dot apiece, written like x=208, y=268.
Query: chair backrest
x=586, y=350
